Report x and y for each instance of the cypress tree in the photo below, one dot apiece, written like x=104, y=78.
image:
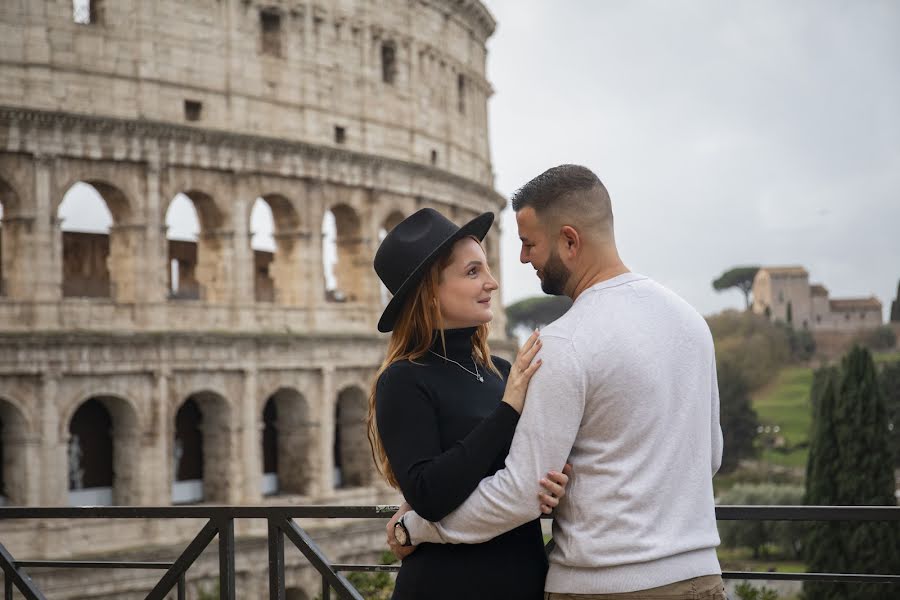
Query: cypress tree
x=895, y=306
x=850, y=464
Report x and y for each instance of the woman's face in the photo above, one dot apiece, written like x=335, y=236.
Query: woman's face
x=465, y=288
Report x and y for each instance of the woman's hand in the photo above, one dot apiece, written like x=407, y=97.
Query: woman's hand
x=555, y=486
x=521, y=371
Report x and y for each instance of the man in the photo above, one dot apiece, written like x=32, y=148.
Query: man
x=627, y=394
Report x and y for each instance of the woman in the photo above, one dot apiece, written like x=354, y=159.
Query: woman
x=443, y=411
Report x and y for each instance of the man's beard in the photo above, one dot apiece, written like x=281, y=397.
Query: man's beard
x=556, y=275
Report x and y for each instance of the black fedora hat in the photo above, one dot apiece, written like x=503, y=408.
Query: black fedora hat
x=409, y=249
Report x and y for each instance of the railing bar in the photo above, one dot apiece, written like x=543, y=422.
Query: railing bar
x=308, y=547
x=7, y=587
x=182, y=588
x=276, y=562
x=181, y=564
x=847, y=577
x=19, y=578
x=91, y=564
x=727, y=513
x=368, y=568
x=226, y=559
x=326, y=589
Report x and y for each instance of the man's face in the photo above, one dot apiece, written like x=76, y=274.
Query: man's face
x=540, y=251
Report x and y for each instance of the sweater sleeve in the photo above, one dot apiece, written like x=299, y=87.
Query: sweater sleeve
x=554, y=407
x=434, y=482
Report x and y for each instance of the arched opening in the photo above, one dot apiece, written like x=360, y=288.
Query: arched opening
x=278, y=264
x=201, y=449
x=262, y=226
x=352, y=459
x=86, y=222
x=295, y=594
x=198, y=250
x=13, y=446
x=102, y=452
x=182, y=229
x=390, y=222
x=286, y=443
x=342, y=255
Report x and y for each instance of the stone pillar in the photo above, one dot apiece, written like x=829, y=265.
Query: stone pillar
x=324, y=445
x=126, y=243
x=251, y=440
x=53, y=471
x=215, y=264
x=18, y=248
x=156, y=483
x=152, y=261
x=241, y=261
x=290, y=268
x=46, y=266
x=311, y=248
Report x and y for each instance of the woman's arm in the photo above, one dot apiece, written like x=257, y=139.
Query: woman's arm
x=434, y=482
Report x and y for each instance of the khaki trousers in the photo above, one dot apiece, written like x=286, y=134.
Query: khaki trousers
x=708, y=587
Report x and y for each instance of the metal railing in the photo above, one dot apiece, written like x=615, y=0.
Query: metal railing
x=281, y=525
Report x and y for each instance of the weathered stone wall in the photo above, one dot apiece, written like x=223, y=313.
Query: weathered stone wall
x=367, y=109
x=146, y=60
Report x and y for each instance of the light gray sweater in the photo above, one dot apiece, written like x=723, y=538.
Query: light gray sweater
x=627, y=393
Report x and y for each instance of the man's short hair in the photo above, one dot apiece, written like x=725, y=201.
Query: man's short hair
x=567, y=193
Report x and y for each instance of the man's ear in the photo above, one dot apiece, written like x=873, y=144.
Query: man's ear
x=569, y=239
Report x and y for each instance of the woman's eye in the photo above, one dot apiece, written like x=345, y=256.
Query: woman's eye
x=472, y=271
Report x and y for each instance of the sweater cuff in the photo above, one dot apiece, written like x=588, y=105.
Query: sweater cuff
x=420, y=530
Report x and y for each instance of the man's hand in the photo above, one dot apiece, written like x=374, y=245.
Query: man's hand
x=399, y=551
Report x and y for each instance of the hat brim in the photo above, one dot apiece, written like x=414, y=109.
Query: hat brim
x=477, y=227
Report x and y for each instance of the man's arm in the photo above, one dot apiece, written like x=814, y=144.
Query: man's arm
x=543, y=440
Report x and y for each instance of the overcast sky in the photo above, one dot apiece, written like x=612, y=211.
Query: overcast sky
x=728, y=133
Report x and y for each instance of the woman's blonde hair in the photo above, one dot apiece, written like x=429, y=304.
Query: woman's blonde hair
x=411, y=338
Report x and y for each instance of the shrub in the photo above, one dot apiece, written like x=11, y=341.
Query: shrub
x=767, y=539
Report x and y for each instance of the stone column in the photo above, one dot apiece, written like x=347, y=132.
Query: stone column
x=126, y=244
x=241, y=262
x=152, y=261
x=251, y=440
x=53, y=471
x=311, y=248
x=156, y=484
x=18, y=248
x=324, y=445
x=46, y=265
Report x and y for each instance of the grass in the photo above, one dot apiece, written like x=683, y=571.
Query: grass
x=741, y=559
x=886, y=357
x=786, y=403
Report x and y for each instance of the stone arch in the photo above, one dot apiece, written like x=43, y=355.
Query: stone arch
x=287, y=443
x=390, y=221
x=278, y=264
x=102, y=444
x=353, y=465
x=204, y=264
x=182, y=229
x=342, y=243
x=98, y=258
x=201, y=449
x=14, y=472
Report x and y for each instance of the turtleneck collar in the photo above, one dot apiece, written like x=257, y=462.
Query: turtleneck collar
x=459, y=343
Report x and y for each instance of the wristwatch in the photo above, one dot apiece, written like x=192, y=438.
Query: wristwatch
x=401, y=533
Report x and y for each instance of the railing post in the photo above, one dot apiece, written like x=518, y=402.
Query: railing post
x=182, y=591
x=226, y=559
x=276, y=562
x=7, y=587
x=326, y=589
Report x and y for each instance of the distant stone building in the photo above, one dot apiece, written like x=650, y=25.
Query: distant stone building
x=785, y=294
x=141, y=370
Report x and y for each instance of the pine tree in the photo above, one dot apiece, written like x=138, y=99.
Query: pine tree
x=850, y=464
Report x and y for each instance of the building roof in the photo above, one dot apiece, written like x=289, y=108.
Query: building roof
x=789, y=270
x=845, y=304
x=817, y=289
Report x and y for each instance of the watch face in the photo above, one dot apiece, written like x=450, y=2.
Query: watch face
x=400, y=534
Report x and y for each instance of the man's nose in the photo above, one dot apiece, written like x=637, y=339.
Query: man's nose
x=522, y=258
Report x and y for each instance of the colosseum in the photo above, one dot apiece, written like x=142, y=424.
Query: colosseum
x=141, y=369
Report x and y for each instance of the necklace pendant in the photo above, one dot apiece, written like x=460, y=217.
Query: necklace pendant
x=480, y=378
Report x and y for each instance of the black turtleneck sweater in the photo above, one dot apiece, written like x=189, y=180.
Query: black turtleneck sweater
x=444, y=431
